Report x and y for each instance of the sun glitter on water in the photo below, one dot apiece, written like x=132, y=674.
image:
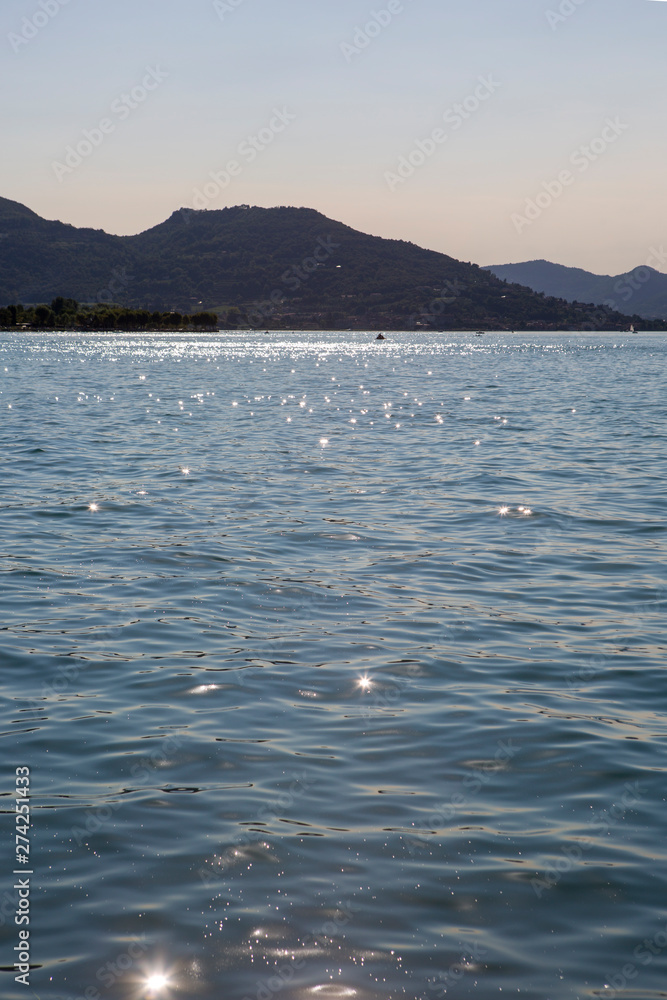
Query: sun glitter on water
x=365, y=683
x=156, y=984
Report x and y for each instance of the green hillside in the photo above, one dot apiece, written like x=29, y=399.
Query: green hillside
x=278, y=268
x=642, y=290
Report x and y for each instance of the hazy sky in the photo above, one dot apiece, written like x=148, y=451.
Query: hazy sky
x=311, y=111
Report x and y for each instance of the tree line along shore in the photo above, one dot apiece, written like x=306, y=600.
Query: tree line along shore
x=68, y=314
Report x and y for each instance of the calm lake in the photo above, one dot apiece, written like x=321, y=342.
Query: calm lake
x=338, y=666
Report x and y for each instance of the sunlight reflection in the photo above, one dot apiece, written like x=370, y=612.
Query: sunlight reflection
x=204, y=688
x=365, y=683
x=333, y=990
x=93, y=506
x=155, y=984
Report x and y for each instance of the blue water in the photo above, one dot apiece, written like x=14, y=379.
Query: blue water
x=339, y=667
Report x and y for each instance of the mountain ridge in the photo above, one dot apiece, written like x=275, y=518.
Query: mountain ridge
x=644, y=289
x=281, y=267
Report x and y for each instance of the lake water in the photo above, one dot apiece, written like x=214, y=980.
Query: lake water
x=339, y=666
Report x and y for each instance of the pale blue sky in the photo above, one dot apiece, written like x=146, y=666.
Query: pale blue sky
x=550, y=88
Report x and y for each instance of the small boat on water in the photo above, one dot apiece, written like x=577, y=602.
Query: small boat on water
x=480, y=333
x=380, y=336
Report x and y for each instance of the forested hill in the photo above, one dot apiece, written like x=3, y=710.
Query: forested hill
x=277, y=267
x=642, y=290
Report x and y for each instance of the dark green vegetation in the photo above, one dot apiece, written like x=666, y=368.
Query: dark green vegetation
x=67, y=314
x=281, y=268
x=643, y=290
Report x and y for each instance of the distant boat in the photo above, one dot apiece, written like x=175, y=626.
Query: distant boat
x=480, y=333
x=632, y=328
x=380, y=336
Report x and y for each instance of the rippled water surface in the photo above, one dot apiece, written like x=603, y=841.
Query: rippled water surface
x=338, y=665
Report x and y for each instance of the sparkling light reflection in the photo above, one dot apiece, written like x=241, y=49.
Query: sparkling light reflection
x=365, y=683
x=333, y=990
x=205, y=688
x=156, y=983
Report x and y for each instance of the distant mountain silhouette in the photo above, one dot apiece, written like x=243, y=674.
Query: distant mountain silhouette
x=271, y=267
x=642, y=291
